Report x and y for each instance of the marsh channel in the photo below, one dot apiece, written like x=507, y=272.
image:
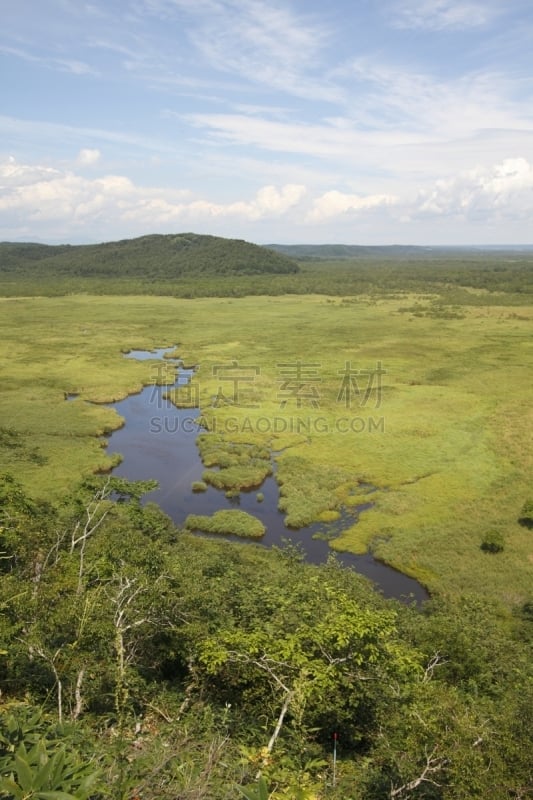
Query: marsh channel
x=158, y=441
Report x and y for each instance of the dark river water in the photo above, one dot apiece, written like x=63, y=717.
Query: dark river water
x=158, y=441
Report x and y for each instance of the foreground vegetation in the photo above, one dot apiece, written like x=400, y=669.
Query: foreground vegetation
x=137, y=660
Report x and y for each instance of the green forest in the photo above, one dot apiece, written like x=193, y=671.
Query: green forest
x=190, y=265
x=142, y=661
x=138, y=661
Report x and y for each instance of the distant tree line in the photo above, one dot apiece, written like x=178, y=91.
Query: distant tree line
x=189, y=265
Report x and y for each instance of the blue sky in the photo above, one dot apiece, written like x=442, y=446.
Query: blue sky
x=393, y=121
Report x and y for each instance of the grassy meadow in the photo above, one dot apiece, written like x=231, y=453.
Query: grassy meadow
x=440, y=442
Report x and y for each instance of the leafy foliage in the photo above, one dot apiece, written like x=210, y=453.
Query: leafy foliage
x=35, y=763
x=256, y=793
x=139, y=661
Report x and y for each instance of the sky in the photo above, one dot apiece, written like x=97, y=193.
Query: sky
x=276, y=121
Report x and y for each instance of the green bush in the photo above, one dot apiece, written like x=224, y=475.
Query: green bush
x=493, y=542
x=526, y=515
x=35, y=764
x=199, y=486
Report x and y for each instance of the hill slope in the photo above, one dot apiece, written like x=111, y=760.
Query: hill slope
x=156, y=256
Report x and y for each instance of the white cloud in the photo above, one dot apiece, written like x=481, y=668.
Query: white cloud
x=88, y=156
x=336, y=204
x=391, y=97
x=260, y=42
x=71, y=65
x=37, y=131
x=268, y=203
x=40, y=201
x=400, y=121
x=444, y=14
x=504, y=190
x=317, y=139
x=42, y=195
x=14, y=175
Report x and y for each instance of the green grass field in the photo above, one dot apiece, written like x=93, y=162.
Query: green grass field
x=445, y=441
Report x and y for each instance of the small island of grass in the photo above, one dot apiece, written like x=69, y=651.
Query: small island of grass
x=228, y=523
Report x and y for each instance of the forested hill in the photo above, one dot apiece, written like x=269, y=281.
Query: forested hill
x=192, y=265
x=156, y=256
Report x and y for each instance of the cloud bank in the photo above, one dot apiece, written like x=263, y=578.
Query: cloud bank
x=50, y=202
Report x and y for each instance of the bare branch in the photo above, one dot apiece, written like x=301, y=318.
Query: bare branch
x=92, y=522
x=435, y=661
x=77, y=695
x=277, y=729
x=433, y=765
x=160, y=712
x=51, y=661
x=279, y=723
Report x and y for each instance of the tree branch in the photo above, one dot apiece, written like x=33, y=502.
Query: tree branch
x=435, y=661
x=432, y=766
x=77, y=695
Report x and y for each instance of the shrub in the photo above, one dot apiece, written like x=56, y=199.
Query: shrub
x=199, y=486
x=493, y=542
x=526, y=515
x=527, y=610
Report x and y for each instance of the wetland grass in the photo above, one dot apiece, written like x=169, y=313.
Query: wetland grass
x=451, y=459
x=232, y=522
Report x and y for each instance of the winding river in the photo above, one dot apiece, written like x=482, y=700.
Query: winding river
x=158, y=441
